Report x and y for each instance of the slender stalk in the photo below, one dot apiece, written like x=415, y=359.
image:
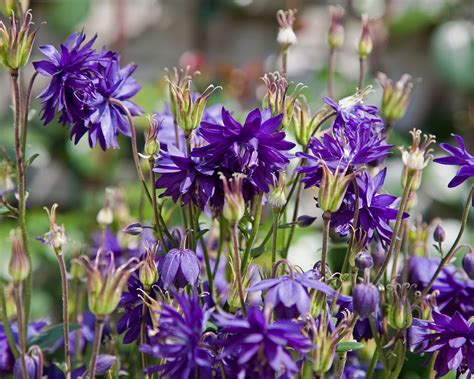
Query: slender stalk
x=396, y=229
x=331, y=69
x=21, y=328
x=253, y=235
x=276, y=217
x=354, y=226
x=99, y=327
x=326, y=225
x=238, y=274
x=431, y=371
x=284, y=61
x=78, y=317
x=65, y=293
x=20, y=171
x=219, y=246
x=453, y=248
x=362, y=68
x=6, y=324
x=143, y=337
x=373, y=363
x=207, y=262
x=342, y=364
x=397, y=250
x=26, y=111
x=156, y=218
x=293, y=220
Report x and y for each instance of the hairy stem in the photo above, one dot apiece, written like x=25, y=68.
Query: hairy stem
x=99, y=327
x=65, y=293
x=21, y=328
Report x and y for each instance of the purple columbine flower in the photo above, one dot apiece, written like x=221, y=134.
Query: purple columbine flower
x=262, y=349
x=107, y=119
x=458, y=156
x=180, y=267
x=179, y=341
x=288, y=295
x=255, y=148
x=453, y=339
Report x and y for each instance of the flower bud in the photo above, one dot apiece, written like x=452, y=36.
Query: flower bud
x=32, y=367
x=234, y=203
x=56, y=236
x=365, y=42
x=332, y=189
x=105, y=282
x=439, y=235
x=19, y=266
x=277, y=196
x=304, y=221
x=468, y=264
x=134, y=229
x=286, y=35
x=148, y=272
x=395, y=96
x=105, y=216
x=152, y=144
x=378, y=255
x=16, y=43
x=364, y=261
x=336, y=30
x=400, y=311
x=365, y=299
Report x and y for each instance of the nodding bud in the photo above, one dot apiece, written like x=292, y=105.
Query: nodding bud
x=105, y=282
x=364, y=261
x=134, y=229
x=365, y=42
x=468, y=264
x=234, y=203
x=336, y=30
x=286, y=35
x=378, y=254
x=395, y=96
x=16, y=41
x=56, y=237
x=32, y=364
x=148, y=272
x=365, y=299
x=333, y=188
x=304, y=221
x=417, y=158
x=277, y=196
x=439, y=235
x=19, y=266
x=152, y=144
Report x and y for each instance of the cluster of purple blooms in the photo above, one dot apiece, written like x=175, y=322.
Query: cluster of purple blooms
x=183, y=327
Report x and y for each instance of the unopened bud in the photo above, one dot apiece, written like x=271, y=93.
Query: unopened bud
x=277, y=197
x=365, y=42
x=336, y=30
x=105, y=216
x=148, y=272
x=439, y=234
x=332, y=189
x=286, y=35
x=304, y=221
x=19, y=266
x=134, y=229
x=468, y=264
x=378, y=255
x=234, y=203
x=365, y=299
x=363, y=261
x=152, y=145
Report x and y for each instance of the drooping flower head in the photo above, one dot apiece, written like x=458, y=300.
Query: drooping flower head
x=458, y=156
x=180, y=267
x=178, y=341
x=262, y=349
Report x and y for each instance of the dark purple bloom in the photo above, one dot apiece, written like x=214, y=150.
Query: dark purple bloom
x=289, y=296
x=453, y=339
x=468, y=264
x=255, y=148
x=103, y=365
x=365, y=299
x=180, y=267
x=72, y=70
x=375, y=209
x=178, y=341
x=262, y=349
x=458, y=156
x=363, y=260
x=32, y=367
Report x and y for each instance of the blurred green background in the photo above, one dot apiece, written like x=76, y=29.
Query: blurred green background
x=233, y=43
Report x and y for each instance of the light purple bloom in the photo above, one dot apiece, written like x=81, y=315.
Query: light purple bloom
x=180, y=267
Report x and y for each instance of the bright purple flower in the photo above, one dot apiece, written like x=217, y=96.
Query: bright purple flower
x=180, y=267
x=179, y=341
x=375, y=209
x=262, y=349
x=107, y=119
x=255, y=148
x=453, y=339
x=289, y=296
x=72, y=70
x=458, y=156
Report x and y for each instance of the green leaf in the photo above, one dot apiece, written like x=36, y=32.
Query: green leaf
x=31, y=159
x=50, y=335
x=348, y=346
x=257, y=251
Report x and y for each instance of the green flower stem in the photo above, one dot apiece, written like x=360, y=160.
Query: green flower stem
x=362, y=69
x=21, y=328
x=453, y=248
x=65, y=293
x=6, y=323
x=220, y=245
x=354, y=226
x=78, y=315
x=326, y=225
x=276, y=217
x=293, y=220
x=373, y=363
x=99, y=327
x=396, y=229
x=207, y=261
x=237, y=271
x=253, y=235
x=155, y=206
x=342, y=364
x=331, y=69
